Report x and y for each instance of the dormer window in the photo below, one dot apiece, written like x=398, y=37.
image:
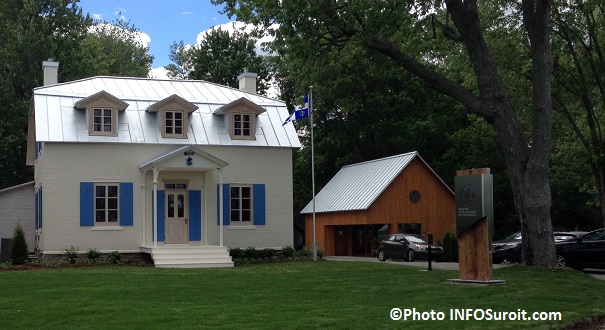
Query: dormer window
x=172, y=116
x=240, y=118
x=102, y=113
x=241, y=125
x=103, y=122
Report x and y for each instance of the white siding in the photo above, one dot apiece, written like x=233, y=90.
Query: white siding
x=68, y=164
x=17, y=205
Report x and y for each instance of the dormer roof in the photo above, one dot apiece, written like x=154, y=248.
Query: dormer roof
x=101, y=99
x=238, y=105
x=173, y=102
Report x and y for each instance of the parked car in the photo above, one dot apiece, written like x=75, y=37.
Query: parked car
x=584, y=251
x=565, y=235
x=408, y=247
x=508, y=249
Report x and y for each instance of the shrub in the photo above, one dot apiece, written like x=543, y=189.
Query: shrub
x=93, y=255
x=114, y=258
x=72, y=254
x=236, y=253
x=305, y=252
x=19, y=251
x=450, y=247
x=288, y=252
x=266, y=254
x=250, y=252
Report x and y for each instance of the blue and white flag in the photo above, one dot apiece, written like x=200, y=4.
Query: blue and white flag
x=298, y=114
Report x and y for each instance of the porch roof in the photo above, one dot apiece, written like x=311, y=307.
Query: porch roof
x=187, y=157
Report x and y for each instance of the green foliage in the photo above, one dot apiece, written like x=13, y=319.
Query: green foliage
x=19, y=250
x=288, y=252
x=93, y=255
x=450, y=246
x=71, y=254
x=114, y=258
x=237, y=253
x=220, y=58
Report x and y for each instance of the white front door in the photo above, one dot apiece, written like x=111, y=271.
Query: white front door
x=177, y=217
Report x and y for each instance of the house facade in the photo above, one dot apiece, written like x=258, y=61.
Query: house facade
x=17, y=207
x=364, y=202
x=179, y=170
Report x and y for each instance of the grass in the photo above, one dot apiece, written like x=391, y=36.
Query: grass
x=299, y=295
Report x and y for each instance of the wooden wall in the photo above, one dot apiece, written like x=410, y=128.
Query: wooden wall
x=435, y=211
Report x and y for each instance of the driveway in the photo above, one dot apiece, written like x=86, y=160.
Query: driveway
x=596, y=273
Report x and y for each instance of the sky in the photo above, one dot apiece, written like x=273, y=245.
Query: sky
x=161, y=22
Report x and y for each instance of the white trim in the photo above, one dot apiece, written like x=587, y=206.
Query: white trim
x=106, y=228
x=244, y=227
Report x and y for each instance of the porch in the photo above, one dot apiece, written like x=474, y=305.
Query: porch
x=188, y=256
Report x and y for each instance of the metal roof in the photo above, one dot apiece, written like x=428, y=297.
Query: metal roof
x=58, y=121
x=357, y=186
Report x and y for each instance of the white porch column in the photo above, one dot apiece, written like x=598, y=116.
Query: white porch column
x=222, y=206
x=155, y=206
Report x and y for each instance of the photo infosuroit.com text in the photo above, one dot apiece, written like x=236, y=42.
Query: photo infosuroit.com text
x=472, y=314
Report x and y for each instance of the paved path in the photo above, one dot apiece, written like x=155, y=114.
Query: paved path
x=597, y=273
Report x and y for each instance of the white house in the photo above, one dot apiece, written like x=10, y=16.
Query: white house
x=17, y=207
x=180, y=170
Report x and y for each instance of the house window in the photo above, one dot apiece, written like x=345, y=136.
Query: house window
x=174, y=124
x=103, y=122
x=242, y=126
x=241, y=204
x=106, y=204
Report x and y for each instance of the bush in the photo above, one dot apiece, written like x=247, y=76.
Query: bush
x=450, y=247
x=93, y=255
x=266, y=254
x=19, y=251
x=288, y=252
x=250, y=252
x=236, y=253
x=114, y=258
x=72, y=254
x=305, y=252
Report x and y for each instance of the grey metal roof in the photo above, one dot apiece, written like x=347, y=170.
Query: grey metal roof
x=58, y=121
x=357, y=186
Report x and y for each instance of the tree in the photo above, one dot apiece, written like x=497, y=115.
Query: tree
x=110, y=49
x=220, y=58
x=579, y=83
x=19, y=251
x=32, y=31
x=395, y=30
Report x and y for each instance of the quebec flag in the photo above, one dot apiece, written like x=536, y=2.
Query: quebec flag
x=299, y=114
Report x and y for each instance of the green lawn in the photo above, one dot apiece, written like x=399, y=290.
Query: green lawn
x=326, y=294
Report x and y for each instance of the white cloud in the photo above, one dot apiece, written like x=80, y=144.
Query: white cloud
x=158, y=73
x=97, y=16
x=186, y=13
x=121, y=13
x=143, y=38
x=233, y=26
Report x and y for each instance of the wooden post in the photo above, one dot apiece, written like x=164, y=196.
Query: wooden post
x=474, y=245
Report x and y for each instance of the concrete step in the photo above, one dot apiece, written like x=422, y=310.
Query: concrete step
x=175, y=256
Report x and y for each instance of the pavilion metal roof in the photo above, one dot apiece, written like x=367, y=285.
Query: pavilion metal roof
x=58, y=121
x=357, y=186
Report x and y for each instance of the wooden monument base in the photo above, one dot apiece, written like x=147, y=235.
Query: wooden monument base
x=474, y=252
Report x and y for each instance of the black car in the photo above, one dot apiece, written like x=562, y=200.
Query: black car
x=508, y=249
x=408, y=247
x=584, y=251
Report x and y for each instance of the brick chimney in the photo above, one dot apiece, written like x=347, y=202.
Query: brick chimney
x=247, y=81
x=51, y=72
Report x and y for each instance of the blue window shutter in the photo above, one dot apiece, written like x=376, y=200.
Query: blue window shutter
x=258, y=193
x=40, y=207
x=87, y=199
x=195, y=215
x=126, y=200
x=226, y=204
x=36, y=214
x=160, y=215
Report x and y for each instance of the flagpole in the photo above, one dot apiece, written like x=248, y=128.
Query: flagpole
x=313, y=171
